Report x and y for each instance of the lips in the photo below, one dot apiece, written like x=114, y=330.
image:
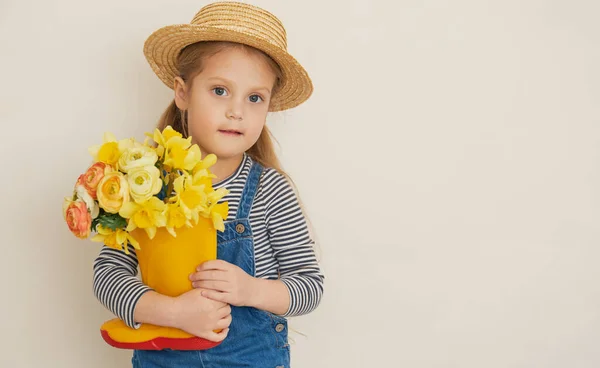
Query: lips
x=230, y=132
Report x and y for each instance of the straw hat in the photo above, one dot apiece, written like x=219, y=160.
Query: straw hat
x=234, y=22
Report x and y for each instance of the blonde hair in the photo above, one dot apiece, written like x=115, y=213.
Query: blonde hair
x=190, y=64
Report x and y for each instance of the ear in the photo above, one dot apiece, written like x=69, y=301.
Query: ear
x=181, y=93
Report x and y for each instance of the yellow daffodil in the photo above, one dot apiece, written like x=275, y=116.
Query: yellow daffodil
x=175, y=218
x=214, y=209
x=110, y=150
x=203, y=177
x=161, y=138
x=201, y=168
x=178, y=152
x=117, y=239
x=181, y=154
x=201, y=174
x=218, y=214
x=191, y=198
x=148, y=215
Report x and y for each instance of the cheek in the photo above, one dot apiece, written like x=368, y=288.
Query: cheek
x=202, y=114
x=200, y=123
x=257, y=125
x=198, y=119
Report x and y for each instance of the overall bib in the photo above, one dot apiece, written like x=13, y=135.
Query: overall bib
x=256, y=338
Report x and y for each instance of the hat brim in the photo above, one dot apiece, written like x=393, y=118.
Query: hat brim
x=163, y=46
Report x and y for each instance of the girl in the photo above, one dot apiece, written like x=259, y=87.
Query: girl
x=228, y=68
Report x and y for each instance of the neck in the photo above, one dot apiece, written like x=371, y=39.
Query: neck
x=225, y=167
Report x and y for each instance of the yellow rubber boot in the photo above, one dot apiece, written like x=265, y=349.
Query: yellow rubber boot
x=165, y=264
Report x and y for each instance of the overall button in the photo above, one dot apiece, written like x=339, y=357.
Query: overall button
x=280, y=366
x=279, y=327
x=240, y=228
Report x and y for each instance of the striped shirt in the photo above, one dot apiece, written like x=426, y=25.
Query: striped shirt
x=283, y=249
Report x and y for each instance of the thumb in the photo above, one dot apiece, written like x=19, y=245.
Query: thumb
x=216, y=337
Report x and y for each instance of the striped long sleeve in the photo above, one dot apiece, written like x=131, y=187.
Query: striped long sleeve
x=292, y=245
x=116, y=284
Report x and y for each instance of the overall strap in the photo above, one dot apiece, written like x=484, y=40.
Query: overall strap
x=249, y=191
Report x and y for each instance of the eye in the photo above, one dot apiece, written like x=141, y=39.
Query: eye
x=220, y=91
x=255, y=98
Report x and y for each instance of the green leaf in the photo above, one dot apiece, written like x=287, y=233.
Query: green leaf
x=112, y=221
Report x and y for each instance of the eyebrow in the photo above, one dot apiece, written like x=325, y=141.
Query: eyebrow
x=227, y=81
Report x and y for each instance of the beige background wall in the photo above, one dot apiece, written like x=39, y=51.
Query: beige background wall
x=449, y=159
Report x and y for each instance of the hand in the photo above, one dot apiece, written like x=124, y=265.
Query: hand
x=200, y=316
x=224, y=282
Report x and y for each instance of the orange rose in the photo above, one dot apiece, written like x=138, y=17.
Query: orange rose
x=77, y=217
x=113, y=191
x=90, y=179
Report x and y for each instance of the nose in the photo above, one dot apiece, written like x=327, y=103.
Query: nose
x=234, y=111
x=234, y=115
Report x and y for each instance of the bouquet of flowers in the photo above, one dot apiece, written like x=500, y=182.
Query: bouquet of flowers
x=163, y=182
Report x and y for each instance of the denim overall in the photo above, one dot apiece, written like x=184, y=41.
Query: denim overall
x=256, y=338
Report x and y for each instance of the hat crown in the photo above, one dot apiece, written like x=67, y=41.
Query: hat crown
x=243, y=18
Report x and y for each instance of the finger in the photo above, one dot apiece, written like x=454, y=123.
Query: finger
x=212, y=285
x=224, y=311
x=208, y=275
x=216, y=264
x=215, y=295
x=224, y=322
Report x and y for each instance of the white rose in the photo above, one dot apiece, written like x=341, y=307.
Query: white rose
x=138, y=156
x=144, y=182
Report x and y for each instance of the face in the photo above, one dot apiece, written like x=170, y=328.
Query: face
x=228, y=102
